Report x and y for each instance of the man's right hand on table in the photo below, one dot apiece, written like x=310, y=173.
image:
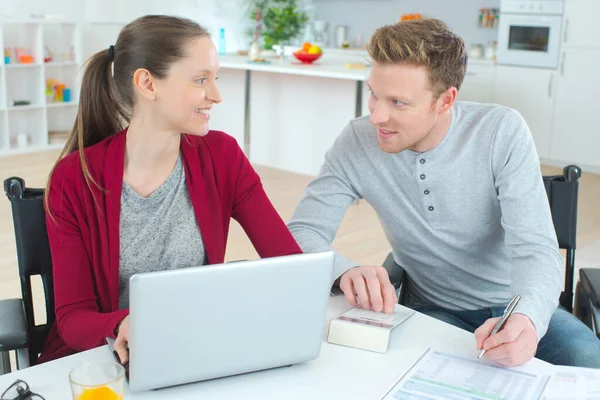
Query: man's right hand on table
x=371, y=284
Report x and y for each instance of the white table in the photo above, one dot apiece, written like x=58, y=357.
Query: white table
x=339, y=372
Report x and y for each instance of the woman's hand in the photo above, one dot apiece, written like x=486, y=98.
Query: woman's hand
x=122, y=340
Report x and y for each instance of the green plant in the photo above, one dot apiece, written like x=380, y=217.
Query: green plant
x=278, y=21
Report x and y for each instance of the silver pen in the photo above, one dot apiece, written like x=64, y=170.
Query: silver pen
x=500, y=324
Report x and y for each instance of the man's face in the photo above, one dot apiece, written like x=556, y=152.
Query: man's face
x=402, y=106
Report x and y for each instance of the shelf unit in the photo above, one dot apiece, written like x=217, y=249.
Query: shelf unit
x=4, y=142
x=25, y=128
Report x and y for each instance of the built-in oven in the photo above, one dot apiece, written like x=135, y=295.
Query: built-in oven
x=529, y=33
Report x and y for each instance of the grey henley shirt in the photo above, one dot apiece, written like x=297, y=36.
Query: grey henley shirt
x=469, y=220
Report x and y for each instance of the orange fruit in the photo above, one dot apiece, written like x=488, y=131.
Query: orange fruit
x=99, y=393
x=306, y=46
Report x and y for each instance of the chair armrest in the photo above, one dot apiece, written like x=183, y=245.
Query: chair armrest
x=590, y=283
x=395, y=271
x=13, y=326
x=586, y=299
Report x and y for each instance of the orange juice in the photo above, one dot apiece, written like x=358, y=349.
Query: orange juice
x=99, y=393
x=97, y=381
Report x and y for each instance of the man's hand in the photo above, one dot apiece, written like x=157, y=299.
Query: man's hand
x=372, y=286
x=122, y=340
x=515, y=344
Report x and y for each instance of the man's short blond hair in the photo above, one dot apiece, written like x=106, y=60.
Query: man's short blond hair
x=426, y=42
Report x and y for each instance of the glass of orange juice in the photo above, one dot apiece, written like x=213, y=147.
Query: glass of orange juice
x=97, y=381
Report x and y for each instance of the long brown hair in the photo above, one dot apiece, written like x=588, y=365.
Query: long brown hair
x=152, y=42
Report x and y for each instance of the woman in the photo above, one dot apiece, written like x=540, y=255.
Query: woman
x=146, y=197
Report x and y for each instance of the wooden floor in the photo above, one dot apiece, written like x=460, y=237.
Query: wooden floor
x=360, y=237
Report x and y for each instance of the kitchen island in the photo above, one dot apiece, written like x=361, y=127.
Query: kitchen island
x=285, y=114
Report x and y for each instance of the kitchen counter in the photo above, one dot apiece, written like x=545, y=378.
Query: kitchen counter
x=285, y=114
x=328, y=66
x=481, y=61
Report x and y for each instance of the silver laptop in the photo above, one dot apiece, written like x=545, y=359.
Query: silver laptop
x=208, y=322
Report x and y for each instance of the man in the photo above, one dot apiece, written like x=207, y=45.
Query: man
x=458, y=189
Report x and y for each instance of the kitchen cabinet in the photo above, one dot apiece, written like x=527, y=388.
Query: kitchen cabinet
x=295, y=119
x=581, y=28
x=576, y=135
x=478, y=84
x=530, y=91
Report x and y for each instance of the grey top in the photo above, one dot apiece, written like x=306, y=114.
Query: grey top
x=158, y=232
x=468, y=220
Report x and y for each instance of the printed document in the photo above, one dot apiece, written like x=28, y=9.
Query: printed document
x=439, y=375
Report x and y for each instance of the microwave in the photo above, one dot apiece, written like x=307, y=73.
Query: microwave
x=529, y=33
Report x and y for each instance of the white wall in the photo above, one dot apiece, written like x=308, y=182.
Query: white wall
x=103, y=19
x=364, y=16
x=106, y=17
x=212, y=14
x=21, y=9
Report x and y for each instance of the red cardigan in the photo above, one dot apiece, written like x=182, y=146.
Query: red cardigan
x=84, y=234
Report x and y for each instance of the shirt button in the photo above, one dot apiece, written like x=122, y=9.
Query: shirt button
x=422, y=176
x=426, y=192
x=422, y=161
x=431, y=208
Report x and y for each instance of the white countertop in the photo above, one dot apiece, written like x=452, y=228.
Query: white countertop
x=481, y=61
x=331, y=66
x=328, y=66
x=338, y=373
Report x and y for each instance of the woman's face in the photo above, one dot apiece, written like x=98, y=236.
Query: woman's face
x=185, y=97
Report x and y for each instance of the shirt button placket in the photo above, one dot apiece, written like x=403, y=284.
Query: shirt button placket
x=426, y=192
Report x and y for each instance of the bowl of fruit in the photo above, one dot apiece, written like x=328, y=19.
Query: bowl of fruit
x=309, y=53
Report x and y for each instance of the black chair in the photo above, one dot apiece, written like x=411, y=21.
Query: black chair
x=18, y=330
x=562, y=191
x=587, y=298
